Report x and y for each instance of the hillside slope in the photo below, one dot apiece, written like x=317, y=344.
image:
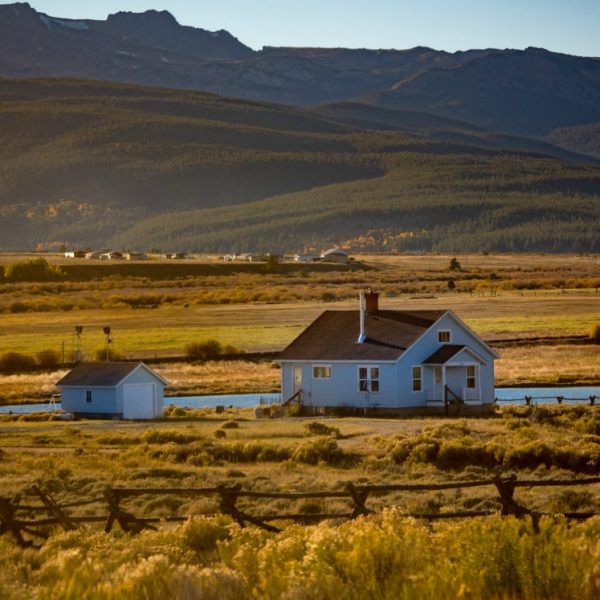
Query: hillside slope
x=527, y=92
x=96, y=164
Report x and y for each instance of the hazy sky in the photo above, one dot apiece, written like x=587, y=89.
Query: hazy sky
x=571, y=26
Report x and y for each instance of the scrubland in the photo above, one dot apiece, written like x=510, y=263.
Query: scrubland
x=384, y=555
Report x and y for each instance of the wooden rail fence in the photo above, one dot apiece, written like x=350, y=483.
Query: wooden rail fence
x=22, y=522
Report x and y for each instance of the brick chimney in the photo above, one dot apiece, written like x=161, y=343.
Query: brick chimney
x=371, y=301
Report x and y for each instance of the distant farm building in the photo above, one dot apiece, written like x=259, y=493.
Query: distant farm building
x=111, y=256
x=75, y=254
x=306, y=258
x=176, y=255
x=96, y=254
x=119, y=390
x=135, y=256
x=388, y=361
x=336, y=255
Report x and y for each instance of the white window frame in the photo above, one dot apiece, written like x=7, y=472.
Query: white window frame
x=444, y=332
x=326, y=367
x=369, y=379
x=471, y=377
x=414, y=379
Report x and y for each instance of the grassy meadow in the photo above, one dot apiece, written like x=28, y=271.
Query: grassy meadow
x=532, y=307
x=502, y=297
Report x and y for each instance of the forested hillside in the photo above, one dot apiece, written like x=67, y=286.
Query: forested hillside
x=89, y=164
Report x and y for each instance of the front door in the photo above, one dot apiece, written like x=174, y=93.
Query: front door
x=297, y=379
x=438, y=386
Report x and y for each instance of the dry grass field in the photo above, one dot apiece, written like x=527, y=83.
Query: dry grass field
x=504, y=296
x=386, y=553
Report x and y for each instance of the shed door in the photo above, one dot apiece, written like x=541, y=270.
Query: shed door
x=138, y=400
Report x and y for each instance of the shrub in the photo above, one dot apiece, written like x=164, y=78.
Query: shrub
x=48, y=358
x=231, y=424
x=316, y=451
x=595, y=332
x=113, y=355
x=206, y=350
x=17, y=307
x=37, y=269
x=202, y=534
x=219, y=434
x=165, y=436
x=317, y=428
x=13, y=362
x=457, y=454
x=454, y=265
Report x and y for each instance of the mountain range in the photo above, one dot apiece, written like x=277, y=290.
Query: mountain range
x=138, y=131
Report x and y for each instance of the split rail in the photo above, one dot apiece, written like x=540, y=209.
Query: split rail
x=28, y=522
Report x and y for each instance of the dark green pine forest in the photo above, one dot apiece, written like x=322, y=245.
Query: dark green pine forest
x=92, y=164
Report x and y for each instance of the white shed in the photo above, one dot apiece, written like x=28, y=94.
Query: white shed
x=121, y=390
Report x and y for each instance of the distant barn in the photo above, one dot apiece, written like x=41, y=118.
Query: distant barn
x=336, y=255
x=117, y=390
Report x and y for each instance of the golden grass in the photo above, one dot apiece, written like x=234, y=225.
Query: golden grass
x=221, y=377
x=15, y=389
x=540, y=365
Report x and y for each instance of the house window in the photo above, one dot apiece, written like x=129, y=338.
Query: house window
x=322, y=372
x=444, y=336
x=88, y=395
x=368, y=379
x=471, y=377
x=417, y=382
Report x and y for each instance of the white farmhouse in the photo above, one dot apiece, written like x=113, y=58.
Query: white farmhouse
x=118, y=390
x=388, y=361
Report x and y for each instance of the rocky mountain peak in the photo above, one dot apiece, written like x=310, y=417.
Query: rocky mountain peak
x=149, y=18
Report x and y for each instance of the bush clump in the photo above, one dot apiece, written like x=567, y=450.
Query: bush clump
x=318, y=428
x=37, y=269
x=595, y=332
x=230, y=424
x=48, y=358
x=14, y=362
x=100, y=354
x=322, y=450
x=205, y=350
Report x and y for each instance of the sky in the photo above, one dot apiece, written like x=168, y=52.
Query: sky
x=569, y=26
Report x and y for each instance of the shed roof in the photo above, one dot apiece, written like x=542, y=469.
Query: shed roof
x=108, y=374
x=334, y=335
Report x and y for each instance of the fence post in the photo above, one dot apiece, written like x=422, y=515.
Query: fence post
x=506, y=489
x=227, y=505
x=9, y=523
x=359, y=497
x=127, y=521
x=54, y=509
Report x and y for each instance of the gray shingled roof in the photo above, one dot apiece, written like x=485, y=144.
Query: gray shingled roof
x=333, y=336
x=100, y=373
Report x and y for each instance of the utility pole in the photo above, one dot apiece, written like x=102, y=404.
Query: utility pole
x=108, y=341
x=78, y=332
